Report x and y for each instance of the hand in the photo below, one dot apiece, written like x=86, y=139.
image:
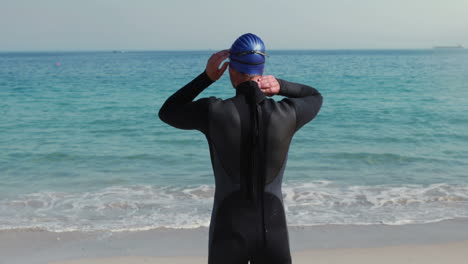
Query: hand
x=269, y=85
x=212, y=67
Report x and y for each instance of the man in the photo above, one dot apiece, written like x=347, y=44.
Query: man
x=249, y=137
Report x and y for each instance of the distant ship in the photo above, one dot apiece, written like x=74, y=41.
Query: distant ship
x=118, y=51
x=449, y=47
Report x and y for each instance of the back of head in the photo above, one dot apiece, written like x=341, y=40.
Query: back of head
x=247, y=55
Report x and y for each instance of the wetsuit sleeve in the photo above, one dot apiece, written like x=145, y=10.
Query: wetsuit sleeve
x=182, y=112
x=306, y=100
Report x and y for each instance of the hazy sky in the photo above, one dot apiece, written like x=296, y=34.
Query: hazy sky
x=214, y=24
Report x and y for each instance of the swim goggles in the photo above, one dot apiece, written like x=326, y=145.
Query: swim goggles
x=250, y=52
x=238, y=54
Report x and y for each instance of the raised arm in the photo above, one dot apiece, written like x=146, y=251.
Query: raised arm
x=181, y=111
x=306, y=100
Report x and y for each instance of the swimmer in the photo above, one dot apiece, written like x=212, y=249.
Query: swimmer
x=249, y=136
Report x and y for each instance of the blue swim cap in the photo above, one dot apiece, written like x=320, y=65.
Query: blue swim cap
x=247, y=54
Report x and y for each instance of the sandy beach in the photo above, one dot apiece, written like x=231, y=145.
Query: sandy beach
x=424, y=254
x=442, y=242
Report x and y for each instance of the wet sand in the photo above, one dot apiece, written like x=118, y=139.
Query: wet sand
x=442, y=242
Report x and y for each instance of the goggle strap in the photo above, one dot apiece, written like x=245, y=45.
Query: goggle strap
x=250, y=52
x=248, y=63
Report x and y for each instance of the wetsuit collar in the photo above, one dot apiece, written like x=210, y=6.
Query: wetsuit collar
x=250, y=88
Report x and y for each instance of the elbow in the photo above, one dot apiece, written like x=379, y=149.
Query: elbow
x=168, y=115
x=316, y=103
x=162, y=114
x=318, y=96
x=319, y=102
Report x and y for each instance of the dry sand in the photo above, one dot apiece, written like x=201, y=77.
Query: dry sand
x=444, y=242
x=418, y=254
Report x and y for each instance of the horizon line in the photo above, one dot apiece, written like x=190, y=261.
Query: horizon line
x=190, y=50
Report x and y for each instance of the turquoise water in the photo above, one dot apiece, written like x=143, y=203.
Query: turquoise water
x=83, y=149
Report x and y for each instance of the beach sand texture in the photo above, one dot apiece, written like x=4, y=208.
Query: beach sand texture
x=438, y=243
x=417, y=254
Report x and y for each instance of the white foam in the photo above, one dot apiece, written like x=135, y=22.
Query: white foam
x=143, y=207
x=331, y=204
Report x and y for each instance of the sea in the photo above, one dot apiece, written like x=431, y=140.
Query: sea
x=82, y=147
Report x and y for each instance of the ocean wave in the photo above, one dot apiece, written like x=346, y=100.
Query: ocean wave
x=64, y=156
x=381, y=204
x=143, y=207
x=379, y=158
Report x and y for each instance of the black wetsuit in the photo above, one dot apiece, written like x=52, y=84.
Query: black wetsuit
x=249, y=137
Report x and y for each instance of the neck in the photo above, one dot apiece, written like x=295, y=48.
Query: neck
x=251, y=90
x=246, y=78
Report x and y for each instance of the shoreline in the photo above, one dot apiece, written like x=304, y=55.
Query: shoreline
x=176, y=245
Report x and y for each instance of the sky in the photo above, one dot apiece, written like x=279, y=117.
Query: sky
x=59, y=25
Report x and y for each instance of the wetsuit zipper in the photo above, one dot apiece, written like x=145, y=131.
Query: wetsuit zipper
x=261, y=172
